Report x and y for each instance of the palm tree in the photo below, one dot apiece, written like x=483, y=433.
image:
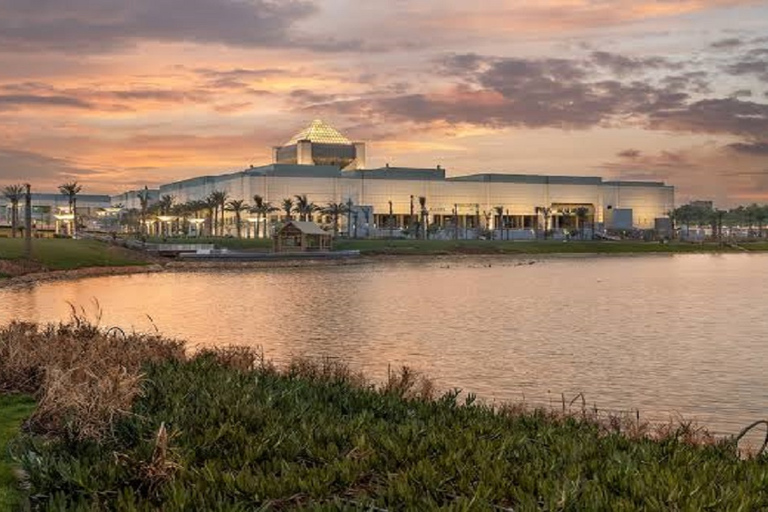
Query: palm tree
x=212, y=208
x=336, y=210
x=582, y=212
x=71, y=189
x=500, y=213
x=424, y=215
x=350, y=204
x=218, y=201
x=184, y=211
x=287, y=207
x=304, y=207
x=132, y=218
x=165, y=204
x=258, y=209
x=144, y=209
x=195, y=208
x=262, y=209
x=237, y=206
x=14, y=193
x=545, y=212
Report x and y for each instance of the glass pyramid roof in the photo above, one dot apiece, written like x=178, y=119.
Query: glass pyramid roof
x=320, y=133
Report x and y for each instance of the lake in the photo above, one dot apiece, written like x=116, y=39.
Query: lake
x=666, y=334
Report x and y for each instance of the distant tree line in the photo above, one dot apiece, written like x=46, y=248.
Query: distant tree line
x=751, y=219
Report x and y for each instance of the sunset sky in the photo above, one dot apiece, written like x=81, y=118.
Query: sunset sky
x=118, y=94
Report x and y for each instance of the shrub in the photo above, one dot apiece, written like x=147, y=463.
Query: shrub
x=83, y=377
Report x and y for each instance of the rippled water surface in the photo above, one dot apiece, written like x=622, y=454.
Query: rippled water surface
x=683, y=334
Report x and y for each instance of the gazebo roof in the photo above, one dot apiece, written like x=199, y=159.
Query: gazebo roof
x=308, y=228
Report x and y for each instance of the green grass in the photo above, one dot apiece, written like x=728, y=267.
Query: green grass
x=264, y=440
x=66, y=254
x=435, y=247
x=438, y=247
x=13, y=410
x=755, y=246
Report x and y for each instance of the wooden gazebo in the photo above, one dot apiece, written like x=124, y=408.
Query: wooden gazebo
x=298, y=236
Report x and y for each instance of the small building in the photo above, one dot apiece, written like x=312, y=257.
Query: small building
x=297, y=236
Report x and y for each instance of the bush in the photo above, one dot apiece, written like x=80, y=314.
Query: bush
x=83, y=377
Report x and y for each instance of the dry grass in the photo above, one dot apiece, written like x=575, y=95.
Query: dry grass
x=237, y=357
x=409, y=384
x=324, y=369
x=627, y=424
x=82, y=376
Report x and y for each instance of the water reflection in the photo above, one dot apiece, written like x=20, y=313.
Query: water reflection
x=662, y=334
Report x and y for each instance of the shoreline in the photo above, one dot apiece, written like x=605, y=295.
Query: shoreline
x=78, y=273
x=363, y=259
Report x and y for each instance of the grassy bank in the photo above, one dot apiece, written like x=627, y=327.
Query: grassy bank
x=64, y=254
x=437, y=247
x=152, y=428
x=13, y=410
x=443, y=247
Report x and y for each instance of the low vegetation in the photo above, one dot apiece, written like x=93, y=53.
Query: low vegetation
x=130, y=421
x=13, y=409
x=63, y=254
x=437, y=247
x=443, y=247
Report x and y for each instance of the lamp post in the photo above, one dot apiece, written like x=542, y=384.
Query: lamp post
x=390, y=219
x=477, y=220
x=455, y=222
x=350, y=204
x=410, y=220
x=508, y=219
x=28, y=222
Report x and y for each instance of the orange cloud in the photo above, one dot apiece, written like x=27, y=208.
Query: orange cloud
x=512, y=17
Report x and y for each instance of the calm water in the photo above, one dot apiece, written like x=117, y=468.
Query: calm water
x=684, y=334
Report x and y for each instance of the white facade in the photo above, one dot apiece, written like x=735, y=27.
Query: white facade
x=466, y=197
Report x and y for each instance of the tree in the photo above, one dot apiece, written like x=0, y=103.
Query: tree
x=195, y=209
x=258, y=209
x=287, y=208
x=183, y=211
x=212, y=209
x=683, y=216
x=424, y=215
x=262, y=209
x=304, y=207
x=165, y=204
x=717, y=224
x=350, y=205
x=14, y=193
x=582, y=212
x=144, y=209
x=237, y=206
x=336, y=210
x=760, y=214
x=545, y=212
x=71, y=189
x=672, y=221
x=500, y=214
x=218, y=200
